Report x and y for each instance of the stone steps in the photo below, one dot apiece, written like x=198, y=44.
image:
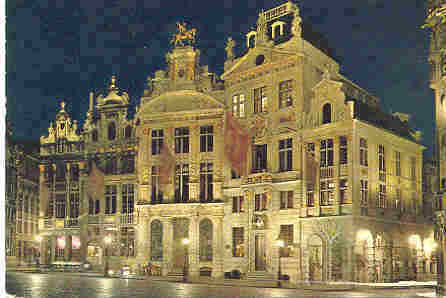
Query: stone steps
x=261, y=279
x=175, y=276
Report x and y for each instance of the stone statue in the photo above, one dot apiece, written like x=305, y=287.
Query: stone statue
x=51, y=130
x=261, y=28
x=183, y=35
x=296, y=28
x=230, y=45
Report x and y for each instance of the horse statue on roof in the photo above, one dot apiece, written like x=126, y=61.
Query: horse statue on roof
x=183, y=36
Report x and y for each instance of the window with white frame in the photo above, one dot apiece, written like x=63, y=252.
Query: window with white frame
x=157, y=194
x=110, y=199
x=237, y=204
x=286, y=155
x=382, y=163
x=342, y=150
x=260, y=100
x=238, y=242
x=238, y=105
x=327, y=192
x=206, y=138
x=157, y=141
x=181, y=183
x=182, y=140
x=382, y=203
x=286, y=199
x=343, y=192
x=206, y=183
x=260, y=202
x=363, y=158
x=128, y=198
x=285, y=94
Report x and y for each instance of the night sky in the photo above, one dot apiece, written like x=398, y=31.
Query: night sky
x=62, y=50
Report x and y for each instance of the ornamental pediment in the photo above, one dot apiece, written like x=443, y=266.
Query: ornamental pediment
x=179, y=101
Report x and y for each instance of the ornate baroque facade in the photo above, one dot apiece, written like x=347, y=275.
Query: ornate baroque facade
x=359, y=217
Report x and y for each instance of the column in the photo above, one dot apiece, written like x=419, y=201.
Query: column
x=67, y=250
x=218, y=249
x=142, y=255
x=194, y=248
x=167, y=246
x=53, y=249
x=83, y=211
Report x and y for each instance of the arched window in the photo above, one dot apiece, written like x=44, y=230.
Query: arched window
x=316, y=258
x=111, y=131
x=156, y=247
x=326, y=113
x=128, y=132
x=94, y=136
x=205, y=240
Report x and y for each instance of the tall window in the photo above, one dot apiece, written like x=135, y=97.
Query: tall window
x=343, y=150
x=238, y=105
x=260, y=100
x=60, y=205
x=91, y=207
x=286, y=199
x=238, y=242
x=110, y=199
x=285, y=155
x=206, y=138
x=206, y=186
x=326, y=113
x=382, y=196
x=397, y=163
x=60, y=171
x=157, y=141
x=128, y=132
x=259, y=158
x=111, y=131
x=382, y=163
x=285, y=94
x=206, y=237
x=326, y=152
x=128, y=242
x=327, y=192
x=413, y=168
x=156, y=241
x=128, y=198
x=363, y=160
x=310, y=195
x=157, y=194
x=182, y=140
x=286, y=234
x=111, y=166
x=181, y=183
x=128, y=164
x=237, y=204
x=97, y=206
x=260, y=202
x=343, y=191
x=74, y=205
x=398, y=201
x=74, y=172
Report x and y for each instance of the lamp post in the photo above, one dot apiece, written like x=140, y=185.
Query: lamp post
x=39, y=241
x=185, y=243
x=279, y=243
x=107, y=241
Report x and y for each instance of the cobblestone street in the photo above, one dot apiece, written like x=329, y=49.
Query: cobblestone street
x=69, y=285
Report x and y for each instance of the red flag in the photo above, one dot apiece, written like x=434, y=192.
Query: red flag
x=311, y=167
x=167, y=164
x=96, y=183
x=237, y=142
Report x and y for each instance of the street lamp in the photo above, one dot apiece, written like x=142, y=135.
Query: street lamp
x=38, y=239
x=280, y=244
x=107, y=241
x=185, y=243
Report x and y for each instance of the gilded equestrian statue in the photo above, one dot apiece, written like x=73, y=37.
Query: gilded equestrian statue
x=183, y=35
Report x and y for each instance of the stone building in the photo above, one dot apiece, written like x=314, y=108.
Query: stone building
x=435, y=21
x=22, y=200
x=331, y=187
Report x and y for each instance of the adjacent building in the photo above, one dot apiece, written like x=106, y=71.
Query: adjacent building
x=329, y=186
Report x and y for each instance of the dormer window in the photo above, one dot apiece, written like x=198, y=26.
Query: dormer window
x=277, y=29
x=111, y=131
x=251, y=39
x=326, y=113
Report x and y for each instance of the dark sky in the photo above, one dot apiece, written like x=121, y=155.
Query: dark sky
x=65, y=49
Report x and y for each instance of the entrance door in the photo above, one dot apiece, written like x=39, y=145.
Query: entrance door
x=260, y=253
x=180, y=250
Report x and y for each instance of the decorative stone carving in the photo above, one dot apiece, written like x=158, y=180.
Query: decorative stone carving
x=230, y=45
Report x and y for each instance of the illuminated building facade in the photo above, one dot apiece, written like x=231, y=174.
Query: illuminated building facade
x=331, y=187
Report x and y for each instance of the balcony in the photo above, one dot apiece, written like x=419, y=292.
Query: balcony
x=94, y=219
x=127, y=219
x=71, y=223
x=258, y=178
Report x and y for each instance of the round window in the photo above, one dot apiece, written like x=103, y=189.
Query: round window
x=260, y=59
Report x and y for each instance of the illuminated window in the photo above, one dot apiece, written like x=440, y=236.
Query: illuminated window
x=238, y=242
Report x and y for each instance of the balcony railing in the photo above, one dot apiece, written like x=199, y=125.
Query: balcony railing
x=327, y=172
x=257, y=178
x=127, y=219
x=71, y=223
x=94, y=219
